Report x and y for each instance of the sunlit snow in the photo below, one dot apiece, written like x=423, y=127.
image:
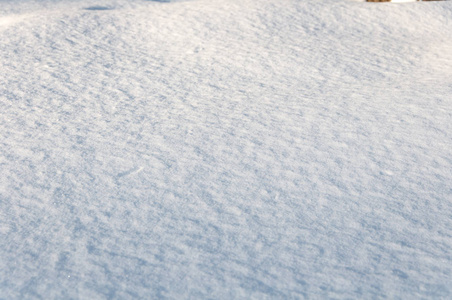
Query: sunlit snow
x=225, y=149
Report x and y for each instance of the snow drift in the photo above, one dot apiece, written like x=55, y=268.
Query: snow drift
x=225, y=149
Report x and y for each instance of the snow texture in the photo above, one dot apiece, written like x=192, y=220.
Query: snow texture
x=225, y=149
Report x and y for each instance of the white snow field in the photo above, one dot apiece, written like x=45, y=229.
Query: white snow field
x=225, y=149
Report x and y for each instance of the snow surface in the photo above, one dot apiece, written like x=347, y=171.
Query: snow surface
x=225, y=149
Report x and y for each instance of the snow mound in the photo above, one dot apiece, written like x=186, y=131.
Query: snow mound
x=225, y=149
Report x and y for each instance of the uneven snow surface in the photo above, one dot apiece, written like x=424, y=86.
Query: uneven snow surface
x=225, y=149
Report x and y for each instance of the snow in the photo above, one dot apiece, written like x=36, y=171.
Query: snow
x=225, y=149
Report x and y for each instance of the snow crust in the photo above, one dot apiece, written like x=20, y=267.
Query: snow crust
x=225, y=149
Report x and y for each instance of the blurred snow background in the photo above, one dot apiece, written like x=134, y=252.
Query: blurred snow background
x=225, y=149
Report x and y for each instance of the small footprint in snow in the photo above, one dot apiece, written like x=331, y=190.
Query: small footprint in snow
x=132, y=171
x=98, y=8
x=400, y=274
